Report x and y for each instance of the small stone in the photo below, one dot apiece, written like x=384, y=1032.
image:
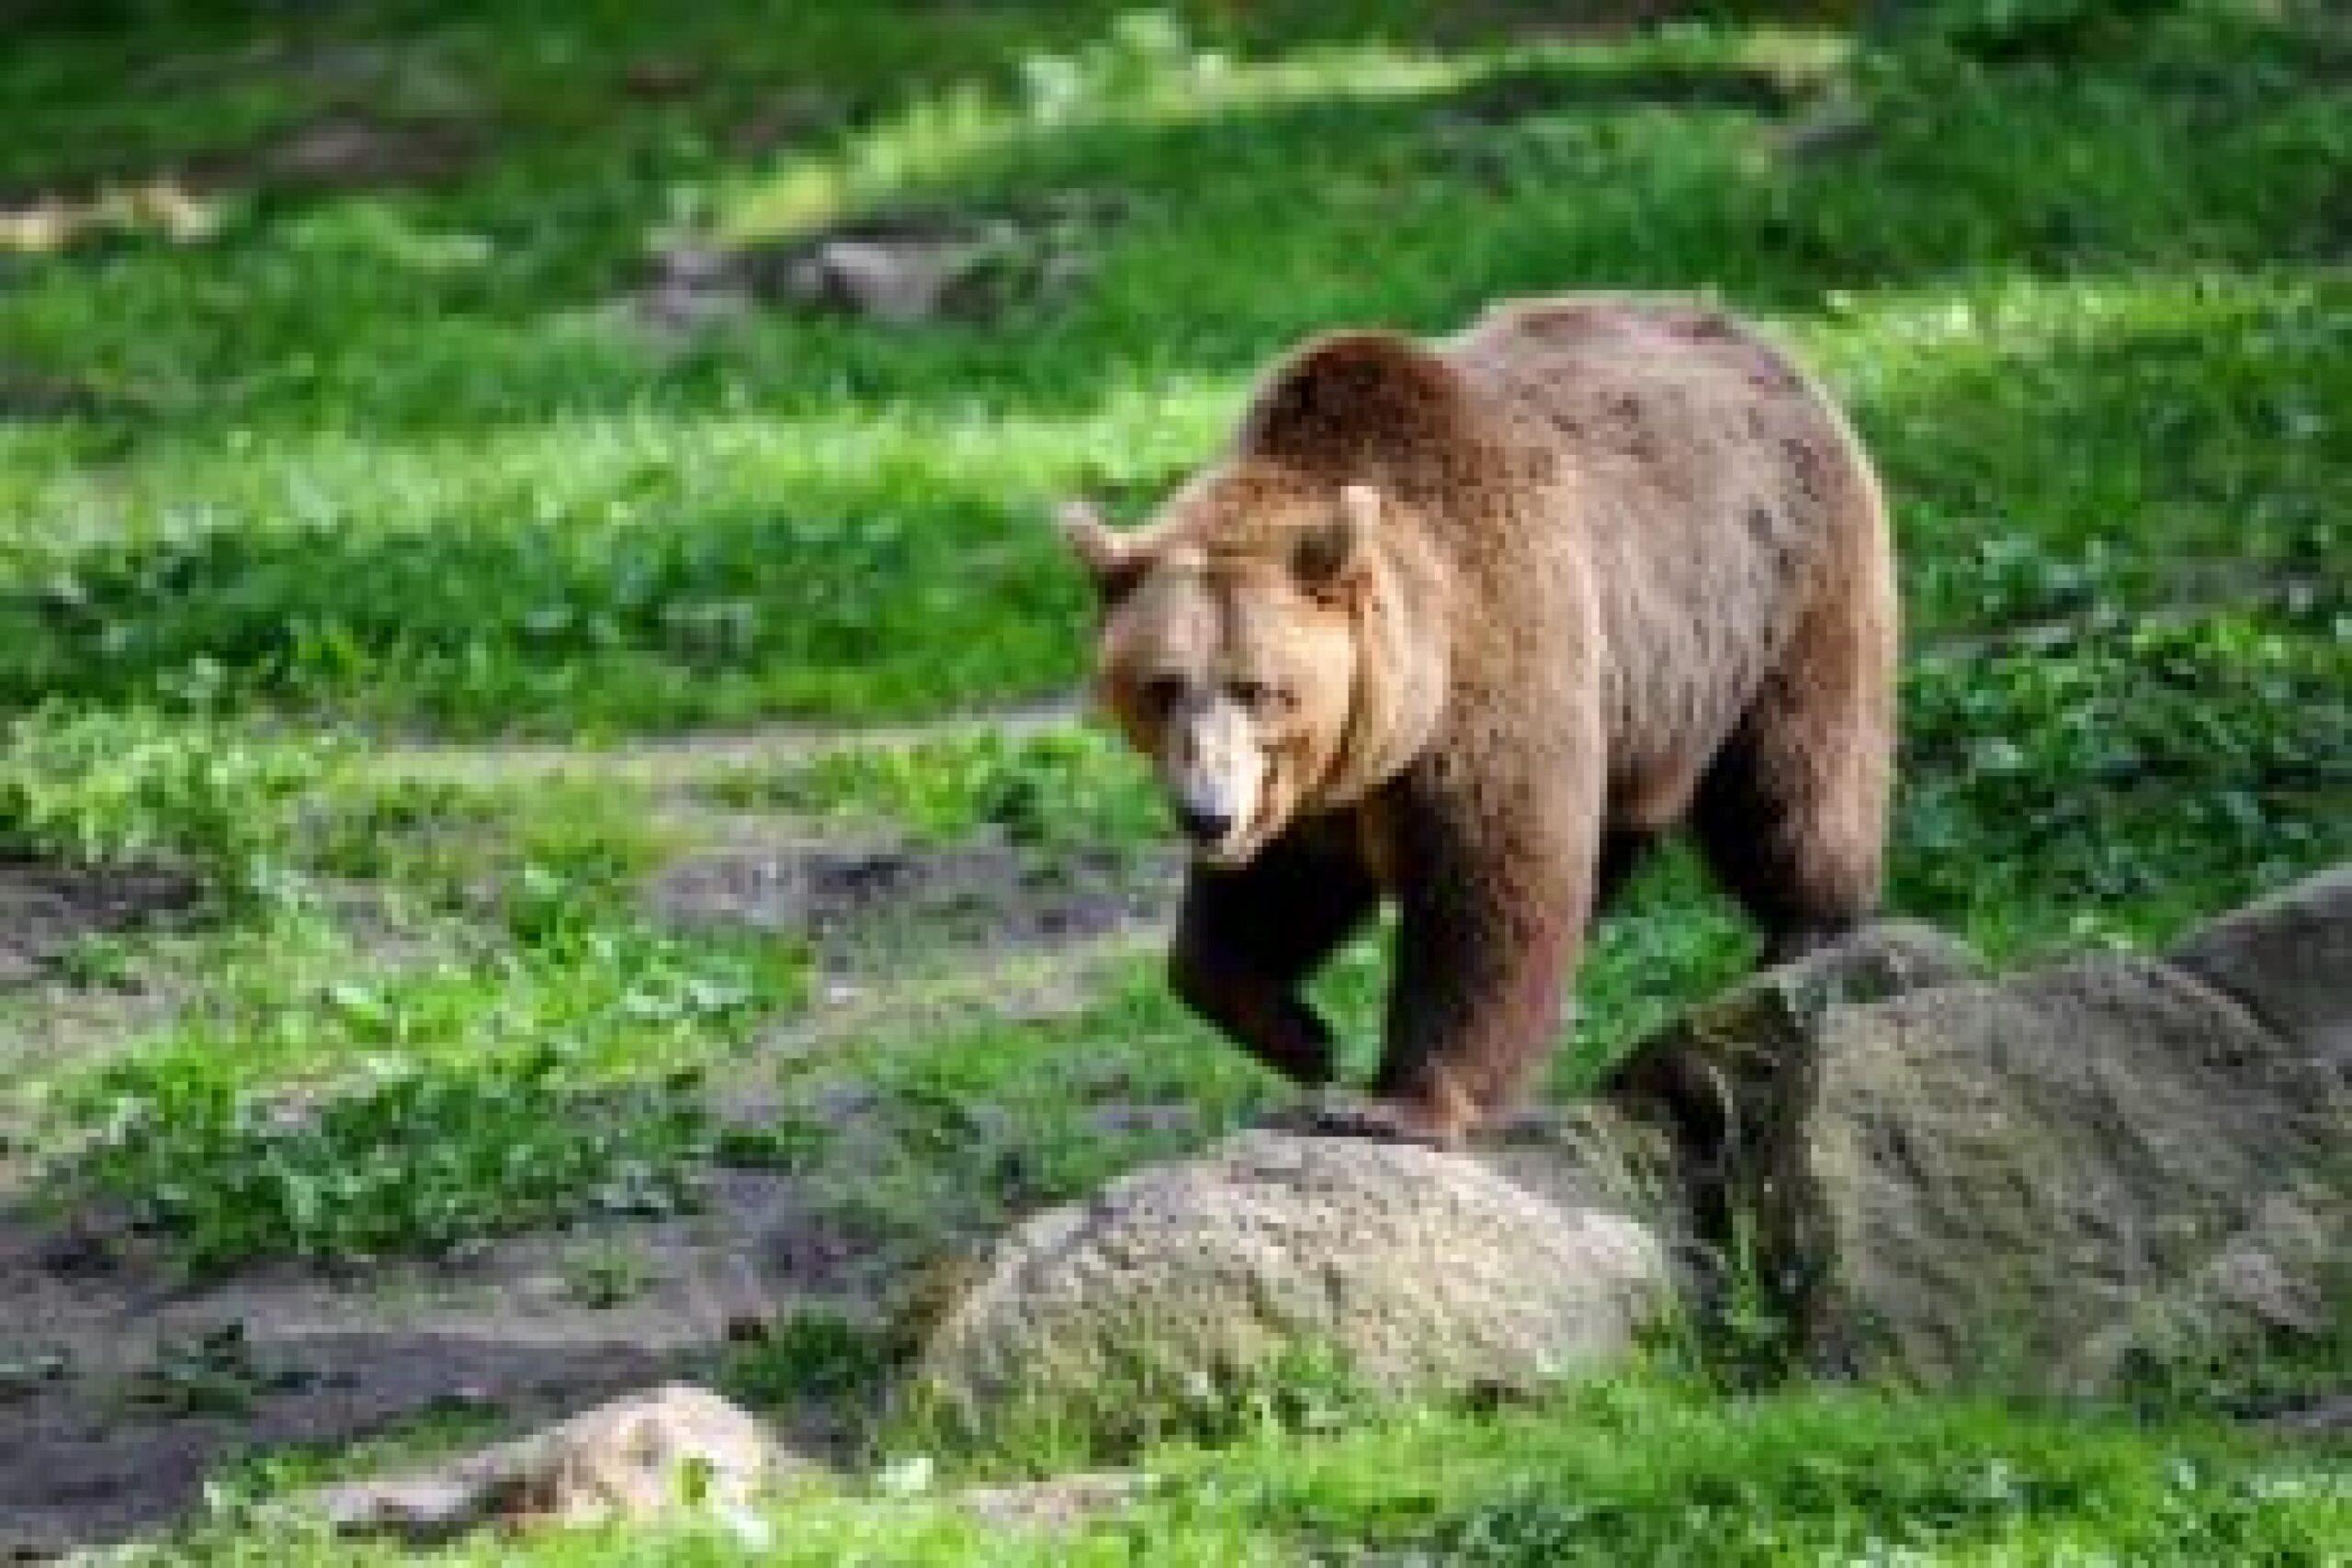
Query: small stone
x=1058, y=1504
x=902, y=282
x=652, y=1453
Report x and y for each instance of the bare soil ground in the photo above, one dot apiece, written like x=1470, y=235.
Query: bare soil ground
x=860, y=903
x=675, y=760
x=123, y=1387
x=45, y=910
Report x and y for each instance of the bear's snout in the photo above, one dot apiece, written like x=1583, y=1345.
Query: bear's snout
x=1215, y=776
x=1204, y=825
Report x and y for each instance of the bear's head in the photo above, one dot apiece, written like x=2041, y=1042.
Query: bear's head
x=1255, y=647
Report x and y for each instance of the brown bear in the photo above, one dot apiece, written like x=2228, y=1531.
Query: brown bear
x=1467, y=624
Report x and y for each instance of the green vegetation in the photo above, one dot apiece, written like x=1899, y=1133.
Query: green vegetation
x=996, y=1116
x=418, y=1159
x=95, y=788
x=445, y=1103
x=1061, y=788
x=1631, y=1471
x=385, y=451
x=336, y=417
x=2192, y=761
x=549, y=857
x=818, y=1350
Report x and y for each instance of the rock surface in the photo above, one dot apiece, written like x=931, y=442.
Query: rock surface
x=2059, y=1180
x=899, y=279
x=635, y=1458
x=903, y=269
x=2289, y=959
x=1418, y=1270
x=1718, y=1082
x=2056, y=1180
x=2041, y=1182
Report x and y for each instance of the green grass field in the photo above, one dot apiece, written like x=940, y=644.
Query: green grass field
x=383, y=583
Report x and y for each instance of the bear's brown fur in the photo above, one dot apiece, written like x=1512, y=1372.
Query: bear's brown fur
x=1467, y=624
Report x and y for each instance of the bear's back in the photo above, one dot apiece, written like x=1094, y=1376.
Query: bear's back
x=1683, y=424
x=1706, y=484
x=1626, y=371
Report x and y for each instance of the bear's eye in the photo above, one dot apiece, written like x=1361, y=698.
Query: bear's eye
x=1162, y=692
x=1256, y=696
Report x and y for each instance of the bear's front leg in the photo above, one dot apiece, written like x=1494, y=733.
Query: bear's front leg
x=1497, y=886
x=1248, y=939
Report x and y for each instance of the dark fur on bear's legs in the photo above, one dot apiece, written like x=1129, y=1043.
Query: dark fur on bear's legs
x=1249, y=938
x=1623, y=851
x=1792, y=813
x=1491, y=912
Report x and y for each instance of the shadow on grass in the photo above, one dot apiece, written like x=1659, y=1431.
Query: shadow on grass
x=528, y=576
x=920, y=584
x=1249, y=223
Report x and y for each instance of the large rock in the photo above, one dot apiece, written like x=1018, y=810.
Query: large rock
x=2004, y=1181
x=673, y=1448
x=1418, y=1270
x=2054, y=1180
x=2289, y=959
x=1721, y=1081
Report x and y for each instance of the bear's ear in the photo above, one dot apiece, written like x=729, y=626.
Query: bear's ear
x=1330, y=557
x=1352, y=395
x=1116, y=562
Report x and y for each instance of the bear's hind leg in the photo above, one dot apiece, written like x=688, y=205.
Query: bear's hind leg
x=1248, y=938
x=1623, y=851
x=1792, y=813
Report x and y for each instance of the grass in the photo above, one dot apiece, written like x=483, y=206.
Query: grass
x=98, y=788
x=1637, y=1472
x=415, y=1111
x=915, y=1140
x=299, y=463
x=417, y=1159
x=1056, y=788
x=538, y=855
x=436, y=482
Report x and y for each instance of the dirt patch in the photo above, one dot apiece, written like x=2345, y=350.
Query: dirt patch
x=657, y=79
x=678, y=763
x=121, y=1391
x=786, y=118
x=45, y=908
x=29, y=396
x=903, y=268
x=2329, y=1415
x=46, y=1026
x=924, y=996
x=854, y=905
x=349, y=151
x=187, y=203
x=1061, y=1504
x=1507, y=96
